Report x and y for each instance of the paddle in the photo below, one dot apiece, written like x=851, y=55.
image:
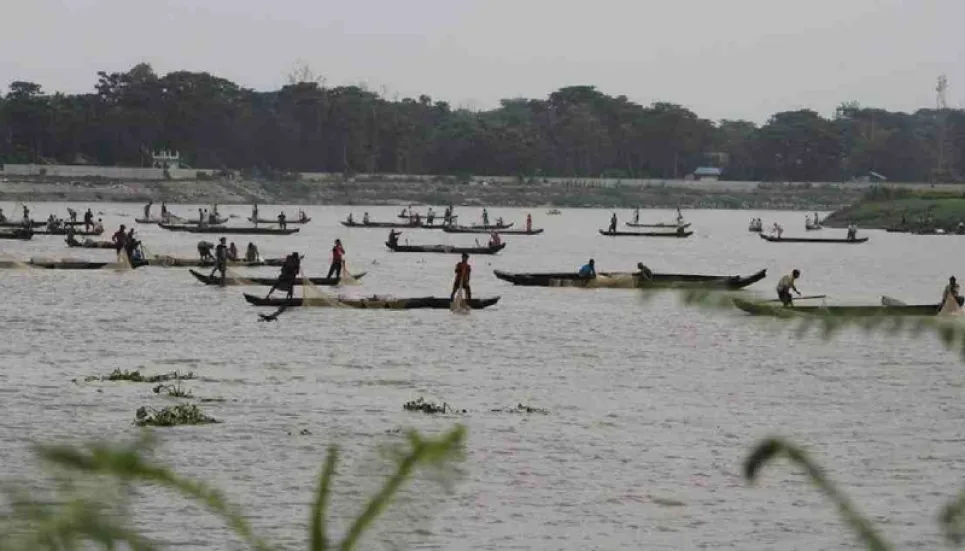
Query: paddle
x=799, y=298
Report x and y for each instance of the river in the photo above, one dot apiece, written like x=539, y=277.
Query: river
x=652, y=405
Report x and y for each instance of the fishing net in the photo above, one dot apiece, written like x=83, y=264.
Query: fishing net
x=345, y=278
x=950, y=307
x=459, y=304
x=313, y=296
x=123, y=263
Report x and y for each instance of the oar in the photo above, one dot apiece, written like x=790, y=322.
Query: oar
x=800, y=298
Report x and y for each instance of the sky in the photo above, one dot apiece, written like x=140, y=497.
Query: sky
x=723, y=59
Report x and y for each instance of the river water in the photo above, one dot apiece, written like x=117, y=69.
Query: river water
x=652, y=405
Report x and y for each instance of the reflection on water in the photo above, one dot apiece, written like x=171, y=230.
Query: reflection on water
x=652, y=406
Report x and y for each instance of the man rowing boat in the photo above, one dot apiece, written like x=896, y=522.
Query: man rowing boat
x=463, y=271
x=394, y=237
x=784, y=287
x=289, y=271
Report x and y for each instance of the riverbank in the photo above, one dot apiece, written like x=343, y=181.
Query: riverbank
x=439, y=191
x=906, y=209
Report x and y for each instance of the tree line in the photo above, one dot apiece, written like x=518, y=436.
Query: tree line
x=576, y=131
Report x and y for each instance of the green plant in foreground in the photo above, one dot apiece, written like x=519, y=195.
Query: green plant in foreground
x=951, y=332
x=90, y=506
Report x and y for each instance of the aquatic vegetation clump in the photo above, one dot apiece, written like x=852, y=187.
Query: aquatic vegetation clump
x=420, y=404
x=520, y=408
x=181, y=414
x=136, y=377
x=174, y=391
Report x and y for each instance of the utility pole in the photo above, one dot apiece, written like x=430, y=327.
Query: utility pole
x=941, y=106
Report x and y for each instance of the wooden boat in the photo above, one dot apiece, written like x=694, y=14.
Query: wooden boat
x=70, y=264
x=22, y=234
x=8, y=223
x=354, y=224
x=646, y=234
x=172, y=219
x=554, y=212
x=295, y=220
x=774, y=239
x=225, y=230
x=375, y=302
x=423, y=216
x=63, y=231
x=667, y=226
x=776, y=309
x=89, y=244
x=450, y=249
x=490, y=227
x=266, y=281
x=811, y=227
x=470, y=229
x=173, y=262
x=628, y=280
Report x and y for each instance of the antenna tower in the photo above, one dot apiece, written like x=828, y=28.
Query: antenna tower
x=941, y=105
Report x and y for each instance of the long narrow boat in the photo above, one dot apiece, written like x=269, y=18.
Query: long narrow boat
x=266, y=281
x=810, y=227
x=667, y=226
x=776, y=309
x=225, y=230
x=470, y=229
x=374, y=303
x=178, y=220
x=645, y=234
x=774, y=239
x=627, y=280
x=8, y=223
x=22, y=234
x=70, y=264
x=423, y=216
x=354, y=224
x=490, y=227
x=173, y=262
x=295, y=220
x=90, y=244
x=450, y=249
x=63, y=231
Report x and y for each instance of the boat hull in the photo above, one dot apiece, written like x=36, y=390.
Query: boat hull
x=374, y=303
x=773, y=239
x=275, y=221
x=22, y=234
x=627, y=280
x=267, y=281
x=777, y=310
x=391, y=225
x=444, y=249
x=463, y=229
x=225, y=230
x=173, y=262
x=92, y=245
x=645, y=234
x=666, y=226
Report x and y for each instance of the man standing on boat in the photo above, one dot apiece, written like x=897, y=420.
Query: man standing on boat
x=147, y=211
x=786, y=285
x=221, y=260
x=613, y=223
x=394, y=237
x=852, y=231
x=120, y=239
x=254, y=214
x=952, y=290
x=636, y=215
x=529, y=223
x=289, y=272
x=88, y=220
x=463, y=271
x=281, y=220
x=338, y=253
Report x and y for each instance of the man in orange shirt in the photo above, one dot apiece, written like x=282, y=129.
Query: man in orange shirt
x=463, y=270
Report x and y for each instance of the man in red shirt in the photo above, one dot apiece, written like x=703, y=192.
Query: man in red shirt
x=338, y=252
x=463, y=270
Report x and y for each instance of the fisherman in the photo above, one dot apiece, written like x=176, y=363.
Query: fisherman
x=499, y=222
x=953, y=290
x=485, y=217
x=131, y=245
x=494, y=240
x=88, y=220
x=72, y=214
x=281, y=220
x=120, y=239
x=816, y=221
x=680, y=216
x=254, y=214
x=852, y=232
x=417, y=219
x=447, y=216
x=338, y=253
x=302, y=217
x=785, y=285
x=529, y=222
x=430, y=216
x=681, y=230
x=636, y=215
x=220, y=260
x=463, y=271
x=99, y=226
x=644, y=271
x=232, y=252
x=777, y=229
x=147, y=210
x=365, y=218
x=589, y=269
x=3, y=217
x=251, y=253
x=204, y=249
x=289, y=271
x=164, y=211
x=613, y=223
x=26, y=214
x=394, y=237
x=213, y=217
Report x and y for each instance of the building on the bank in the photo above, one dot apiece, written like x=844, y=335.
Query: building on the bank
x=166, y=159
x=707, y=173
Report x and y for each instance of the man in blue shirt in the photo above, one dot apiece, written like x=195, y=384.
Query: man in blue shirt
x=588, y=269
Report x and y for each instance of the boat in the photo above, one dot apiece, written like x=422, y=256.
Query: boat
x=554, y=212
x=354, y=224
x=628, y=280
x=72, y=264
x=405, y=216
x=23, y=234
x=470, y=229
x=7, y=223
x=489, y=227
x=225, y=230
x=661, y=225
x=63, y=231
x=296, y=220
x=774, y=239
x=776, y=309
x=174, y=219
x=375, y=302
x=451, y=249
x=266, y=281
x=812, y=227
x=680, y=234
x=90, y=244
x=174, y=262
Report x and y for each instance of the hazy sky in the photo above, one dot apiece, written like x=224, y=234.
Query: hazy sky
x=721, y=58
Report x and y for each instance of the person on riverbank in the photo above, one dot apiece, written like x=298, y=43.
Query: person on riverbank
x=787, y=284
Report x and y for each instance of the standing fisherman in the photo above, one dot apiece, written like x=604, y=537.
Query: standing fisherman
x=463, y=271
x=338, y=253
x=221, y=260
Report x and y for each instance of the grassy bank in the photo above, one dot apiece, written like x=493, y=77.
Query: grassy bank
x=882, y=208
x=438, y=191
